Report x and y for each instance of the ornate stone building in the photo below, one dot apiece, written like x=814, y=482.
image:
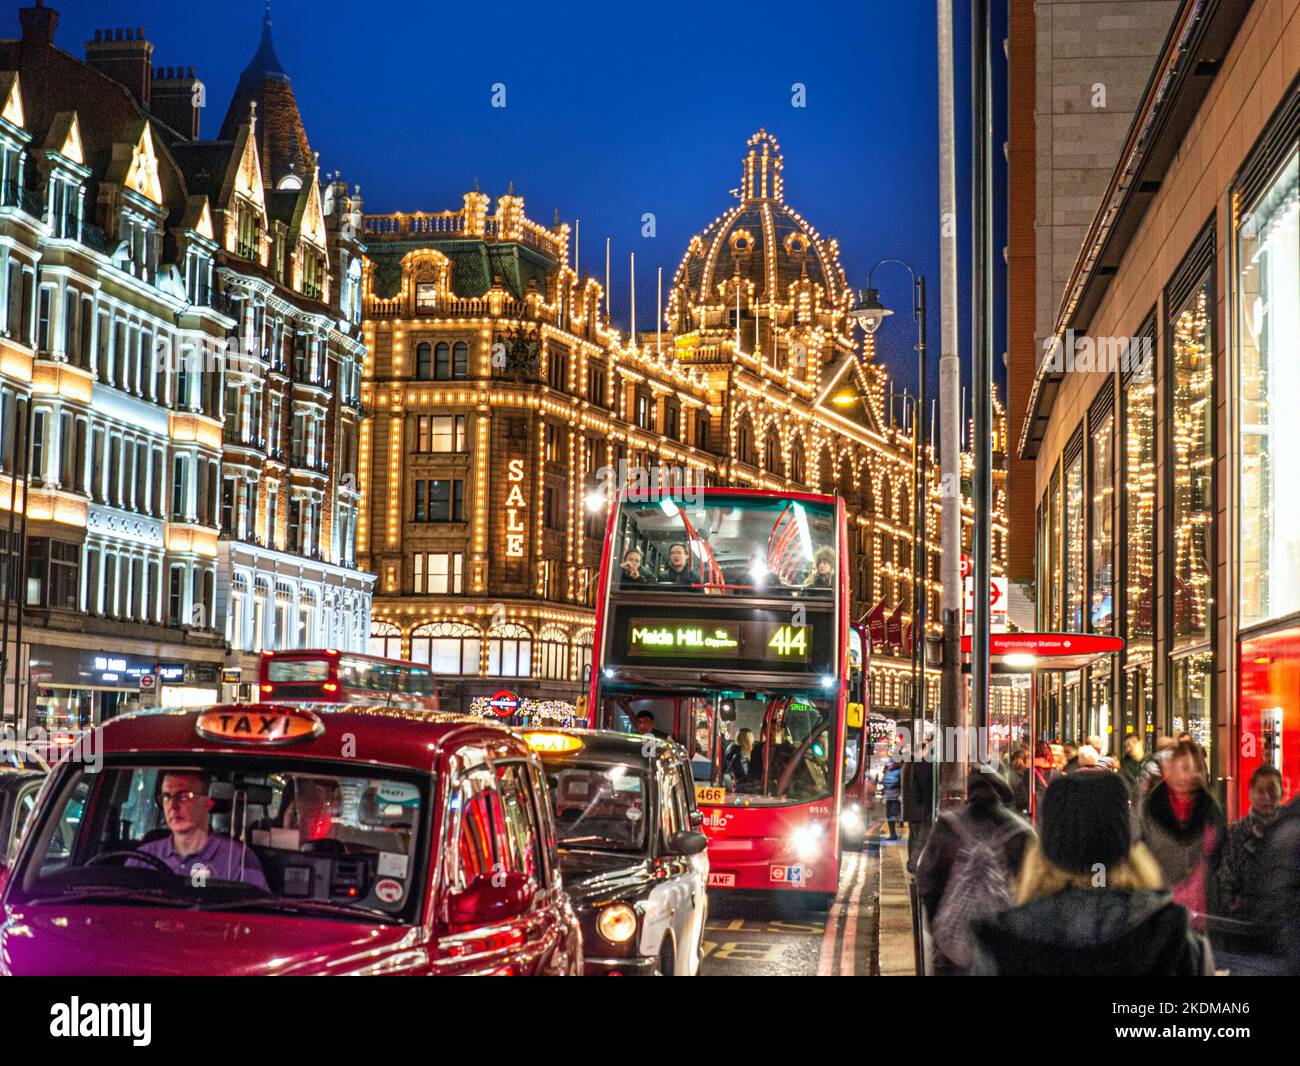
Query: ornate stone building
x=498, y=389
x=288, y=266
x=110, y=400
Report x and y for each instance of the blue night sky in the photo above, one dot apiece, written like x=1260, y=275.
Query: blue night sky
x=612, y=111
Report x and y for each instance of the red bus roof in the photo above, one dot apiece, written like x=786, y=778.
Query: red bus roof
x=328, y=653
x=391, y=736
x=677, y=492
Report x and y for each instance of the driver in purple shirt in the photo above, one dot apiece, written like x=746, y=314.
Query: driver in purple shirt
x=191, y=850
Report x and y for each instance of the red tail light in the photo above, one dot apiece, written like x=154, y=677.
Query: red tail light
x=268, y=688
x=329, y=686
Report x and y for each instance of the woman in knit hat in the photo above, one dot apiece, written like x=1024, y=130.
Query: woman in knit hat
x=1090, y=900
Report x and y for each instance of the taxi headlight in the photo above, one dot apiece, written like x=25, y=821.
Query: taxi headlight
x=617, y=923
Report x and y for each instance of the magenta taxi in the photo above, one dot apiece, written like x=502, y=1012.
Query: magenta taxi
x=291, y=839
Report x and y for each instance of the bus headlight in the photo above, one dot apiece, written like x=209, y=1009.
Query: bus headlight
x=806, y=841
x=851, y=819
x=617, y=923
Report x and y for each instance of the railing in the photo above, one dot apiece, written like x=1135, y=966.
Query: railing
x=243, y=440
x=316, y=466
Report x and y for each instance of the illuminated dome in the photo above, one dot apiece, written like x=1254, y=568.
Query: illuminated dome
x=770, y=247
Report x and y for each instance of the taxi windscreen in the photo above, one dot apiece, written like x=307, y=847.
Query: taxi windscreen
x=256, y=834
x=599, y=807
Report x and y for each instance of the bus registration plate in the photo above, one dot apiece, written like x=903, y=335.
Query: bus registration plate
x=722, y=880
x=710, y=794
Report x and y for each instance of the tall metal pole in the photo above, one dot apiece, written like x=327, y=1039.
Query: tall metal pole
x=952, y=705
x=20, y=712
x=981, y=349
x=921, y=568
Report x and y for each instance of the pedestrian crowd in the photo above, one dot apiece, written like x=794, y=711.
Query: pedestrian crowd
x=1063, y=860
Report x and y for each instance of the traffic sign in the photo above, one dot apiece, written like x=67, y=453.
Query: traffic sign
x=503, y=703
x=997, y=604
x=148, y=682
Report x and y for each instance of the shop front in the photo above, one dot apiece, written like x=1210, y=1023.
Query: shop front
x=71, y=690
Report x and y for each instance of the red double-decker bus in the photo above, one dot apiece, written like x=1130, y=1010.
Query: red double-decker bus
x=332, y=676
x=723, y=622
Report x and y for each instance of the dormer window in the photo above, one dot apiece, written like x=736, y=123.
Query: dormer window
x=64, y=207
x=198, y=277
x=11, y=174
x=140, y=241
x=248, y=232
x=313, y=272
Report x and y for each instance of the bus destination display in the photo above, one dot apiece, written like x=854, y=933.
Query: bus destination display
x=693, y=638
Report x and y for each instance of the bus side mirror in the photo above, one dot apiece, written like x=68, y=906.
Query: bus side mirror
x=696, y=818
x=727, y=711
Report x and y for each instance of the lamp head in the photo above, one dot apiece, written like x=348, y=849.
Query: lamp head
x=869, y=312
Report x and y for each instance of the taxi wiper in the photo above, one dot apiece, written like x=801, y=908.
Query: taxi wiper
x=73, y=893
x=303, y=906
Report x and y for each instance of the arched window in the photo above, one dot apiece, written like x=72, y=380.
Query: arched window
x=772, y=452
x=385, y=640
x=460, y=360
x=423, y=361
x=510, y=651
x=798, y=472
x=745, y=441
x=450, y=648
x=442, y=361
x=553, y=653
x=583, y=643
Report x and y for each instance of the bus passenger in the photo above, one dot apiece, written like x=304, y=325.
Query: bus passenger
x=822, y=575
x=631, y=567
x=678, y=571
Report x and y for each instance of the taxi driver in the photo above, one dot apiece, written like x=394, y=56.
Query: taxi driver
x=190, y=850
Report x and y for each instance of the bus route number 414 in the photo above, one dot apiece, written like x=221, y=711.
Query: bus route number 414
x=789, y=640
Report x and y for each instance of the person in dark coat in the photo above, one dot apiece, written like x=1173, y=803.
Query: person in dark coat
x=891, y=782
x=1244, y=947
x=1130, y=767
x=1184, y=830
x=1090, y=899
x=1281, y=887
x=918, y=801
x=988, y=815
x=1041, y=774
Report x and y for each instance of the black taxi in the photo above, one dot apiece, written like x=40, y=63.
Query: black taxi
x=631, y=854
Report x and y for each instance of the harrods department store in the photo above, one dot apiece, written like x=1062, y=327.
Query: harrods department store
x=498, y=392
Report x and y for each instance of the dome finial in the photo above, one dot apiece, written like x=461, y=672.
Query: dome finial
x=761, y=176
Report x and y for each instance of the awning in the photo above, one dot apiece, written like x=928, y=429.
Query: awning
x=1018, y=652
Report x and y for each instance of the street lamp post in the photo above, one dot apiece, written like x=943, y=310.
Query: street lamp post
x=870, y=313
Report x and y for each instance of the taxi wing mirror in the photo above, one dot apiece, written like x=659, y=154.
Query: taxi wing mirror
x=697, y=818
x=687, y=842
x=491, y=898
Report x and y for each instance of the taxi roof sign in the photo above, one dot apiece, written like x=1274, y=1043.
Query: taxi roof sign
x=552, y=742
x=259, y=725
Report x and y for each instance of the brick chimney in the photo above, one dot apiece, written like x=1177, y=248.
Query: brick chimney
x=38, y=23
x=126, y=57
x=177, y=99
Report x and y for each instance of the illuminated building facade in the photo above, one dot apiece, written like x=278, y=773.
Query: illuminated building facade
x=109, y=505
x=497, y=390
x=1166, y=428
x=288, y=268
